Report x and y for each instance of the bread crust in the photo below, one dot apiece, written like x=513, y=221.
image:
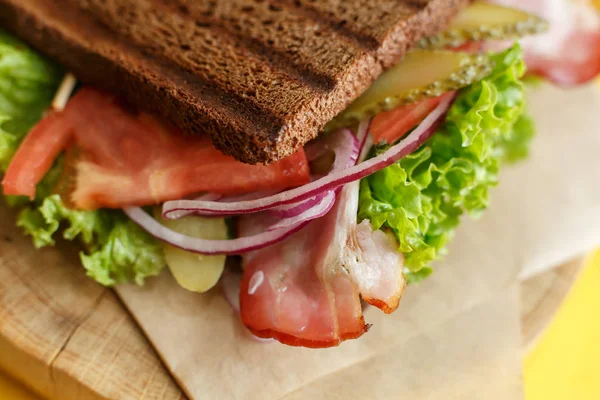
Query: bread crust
x=260, y=77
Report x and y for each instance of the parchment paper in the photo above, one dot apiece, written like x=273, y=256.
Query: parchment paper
x=456, y=335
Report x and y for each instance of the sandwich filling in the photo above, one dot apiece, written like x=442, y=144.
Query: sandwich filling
x=355, y=215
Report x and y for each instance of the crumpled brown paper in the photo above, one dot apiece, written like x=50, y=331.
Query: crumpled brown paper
x=456, y=335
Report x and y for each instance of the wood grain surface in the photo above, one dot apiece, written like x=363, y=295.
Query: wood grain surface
x=542, y=295
x=67, y=337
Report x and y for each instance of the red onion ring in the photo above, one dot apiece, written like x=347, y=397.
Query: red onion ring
x=204, y=197
x=314, y=151
x=276, y=232
x=344, y=145
x=330, y=182
x=248, y=196
x=318, y=210
x=362, y=135
x=365, y=142
x=365, y=149
x=211, y=247
x=291, y=210
x=224, y=199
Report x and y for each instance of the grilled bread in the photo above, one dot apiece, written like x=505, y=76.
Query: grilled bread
x=261, y=77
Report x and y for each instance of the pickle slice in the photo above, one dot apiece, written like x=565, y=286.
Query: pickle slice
x=484, y=21
x=422, y=73
x=195, y=272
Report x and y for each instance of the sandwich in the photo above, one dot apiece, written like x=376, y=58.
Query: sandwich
x=308, y=157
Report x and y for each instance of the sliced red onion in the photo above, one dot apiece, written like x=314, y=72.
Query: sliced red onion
x=366, y=140
x=248, y=196
x=291, y=210
x=315, y=150
x=204, y=197
x=362, y=135
x=205, y=246
x=342, y=143
x=365, y=148
x=345, y=146
x=317, y=211
x=332, y=181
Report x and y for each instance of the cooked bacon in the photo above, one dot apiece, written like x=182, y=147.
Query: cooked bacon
x=378, y=272
x=569, y=53
x=310, y=284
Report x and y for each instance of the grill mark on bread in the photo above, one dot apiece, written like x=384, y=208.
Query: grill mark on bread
x=94, y=64
x=364, y=41
x=369, y=22
x=265, y=50
x=204, y=53
x=203, y=88
x=252, y=109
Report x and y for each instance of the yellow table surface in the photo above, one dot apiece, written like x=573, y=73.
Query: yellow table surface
x=564, y=364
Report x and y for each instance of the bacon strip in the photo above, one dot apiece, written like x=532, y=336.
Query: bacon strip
x=568, y=53
x=305, y=291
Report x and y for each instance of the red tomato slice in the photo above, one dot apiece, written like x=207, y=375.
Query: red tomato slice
x=469, y=47
x=36, y=155
x=120, y=158
x=393, y=125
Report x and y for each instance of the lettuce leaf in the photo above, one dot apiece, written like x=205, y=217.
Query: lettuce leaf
x=129, y=254
x=116, y=250
x=27, y=85
x=422, y=197
x=516, y=145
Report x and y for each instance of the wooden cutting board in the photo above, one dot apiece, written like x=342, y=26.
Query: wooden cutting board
x=64, y=335
x=67, y=337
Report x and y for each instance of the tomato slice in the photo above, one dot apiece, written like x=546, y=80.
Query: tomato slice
x=36, y=155
x=121, y=158
x=393, y=125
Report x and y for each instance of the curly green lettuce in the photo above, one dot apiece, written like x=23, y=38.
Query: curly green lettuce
x=116, y=250
x=422, y=197
x=27, y=85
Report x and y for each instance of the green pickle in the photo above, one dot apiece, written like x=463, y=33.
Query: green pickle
x=422, y=73
x=483, y=21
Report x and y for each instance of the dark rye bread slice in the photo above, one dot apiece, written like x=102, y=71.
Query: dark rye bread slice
x=262, y=77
